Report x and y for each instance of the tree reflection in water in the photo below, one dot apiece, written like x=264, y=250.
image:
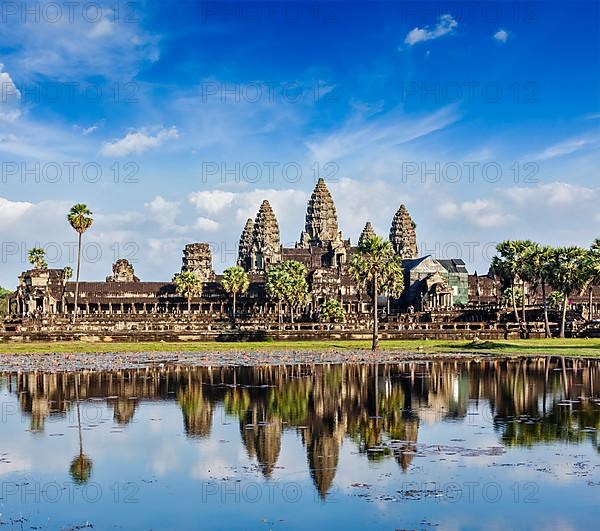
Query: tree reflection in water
x=379, y=407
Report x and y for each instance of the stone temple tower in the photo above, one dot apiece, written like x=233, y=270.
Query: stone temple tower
x=245, y=246
x=403, y=234
x=368, y=232
x=266, y=244
x=197, y=258
x=321, y=218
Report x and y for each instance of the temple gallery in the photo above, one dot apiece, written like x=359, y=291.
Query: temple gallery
x=430, y=284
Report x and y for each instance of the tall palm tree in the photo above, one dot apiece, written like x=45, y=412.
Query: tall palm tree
x=544, y=264
x=296, y=286
x=67, y=275
x=569, y=275
x=511, y=265
x=534, y=271
x=376, y=263
x=188, y=285
x=524, y=252
x=80, y=218
x=507, y=266
x=235, y=280
x=276, y=284
x=37, y=258
x=593, y=268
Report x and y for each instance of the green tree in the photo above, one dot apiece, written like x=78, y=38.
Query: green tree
x=188, y=285
x=276, y=284
x=68, y=273
x=4, y=293
x=235, y=280
x=508, y=265
x=331, y=311
x=570, y=275
x=555, y=300
x=296, y=285
x=376, y=264
x=512, y=293
x=536, y=270
x=593, y=273
x=37, y=258
x=80, y=219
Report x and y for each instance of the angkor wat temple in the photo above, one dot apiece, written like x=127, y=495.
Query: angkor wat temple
x=430, y=284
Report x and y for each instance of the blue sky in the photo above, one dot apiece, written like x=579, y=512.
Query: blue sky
x=482, y=117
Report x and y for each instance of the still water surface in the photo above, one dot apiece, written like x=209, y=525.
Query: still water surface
x=500, y=444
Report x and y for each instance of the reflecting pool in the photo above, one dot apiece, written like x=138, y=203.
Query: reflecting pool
x=490, y=443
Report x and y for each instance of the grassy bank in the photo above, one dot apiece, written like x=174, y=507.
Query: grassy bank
x=567, y=347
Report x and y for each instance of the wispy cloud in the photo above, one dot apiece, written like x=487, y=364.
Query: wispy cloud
x=392, y=129
x=445, y=26
x=137, y=142
x=568, y=146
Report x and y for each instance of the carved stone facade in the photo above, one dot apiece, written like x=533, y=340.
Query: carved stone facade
x=122, y=272
x=429, y=283
x=368, y=232
x=321, y=218
x=245, y=246
x=403, y=235
x=266, y=244
x=197, y=258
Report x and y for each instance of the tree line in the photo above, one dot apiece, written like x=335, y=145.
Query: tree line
x=567, y=270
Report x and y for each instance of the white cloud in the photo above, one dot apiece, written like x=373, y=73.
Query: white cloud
x=501, y=36
x=206, y=224
x=211, y=201
x=552, y=194
x=567, y=146
x=137, y=142
x=445, y=25
x=71, y=48
x=386, y=132
x=10, y=97
x=480, y=213
x=12, y=211
x=103, y=28
x=165, y=213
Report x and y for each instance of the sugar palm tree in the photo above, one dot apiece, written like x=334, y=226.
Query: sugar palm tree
x=296, y=286
x=593, y=270
x=67, y=275
x=376, y=263
x=188, y=285
x=37, y=258
x=235, y=280
x=525, y=250
x=507, y=266
x=80, y=218
x=534, y=270
x=569, y=275
x=544, y=264
x=276, y=284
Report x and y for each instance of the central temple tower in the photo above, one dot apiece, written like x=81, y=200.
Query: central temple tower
x=321, y=219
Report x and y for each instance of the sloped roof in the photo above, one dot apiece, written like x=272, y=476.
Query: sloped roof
x=454, y=265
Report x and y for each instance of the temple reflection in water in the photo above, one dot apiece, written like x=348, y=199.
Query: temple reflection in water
x=378, y=407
